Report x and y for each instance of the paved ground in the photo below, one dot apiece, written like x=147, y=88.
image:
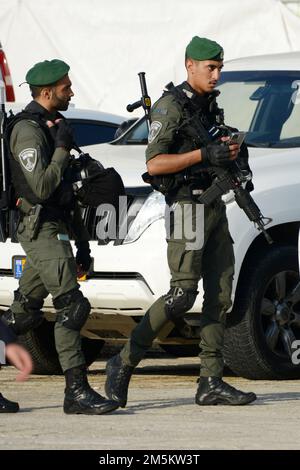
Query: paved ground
x=161, y=413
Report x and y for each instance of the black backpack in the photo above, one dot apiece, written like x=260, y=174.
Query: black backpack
x=93, y=184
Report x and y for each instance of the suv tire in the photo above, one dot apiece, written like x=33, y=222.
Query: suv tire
x=261, y=326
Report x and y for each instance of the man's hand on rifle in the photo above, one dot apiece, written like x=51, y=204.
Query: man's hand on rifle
x=217, y=154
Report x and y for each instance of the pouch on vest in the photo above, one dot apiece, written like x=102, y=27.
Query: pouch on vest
x=165, y=184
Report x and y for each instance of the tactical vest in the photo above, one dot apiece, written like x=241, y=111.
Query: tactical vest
x=62, y=198
x=199, y=116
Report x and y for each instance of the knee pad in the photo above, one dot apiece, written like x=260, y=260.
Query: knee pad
x=72, y=309
x=28, y=303
x=32, y=317
x=178, y=301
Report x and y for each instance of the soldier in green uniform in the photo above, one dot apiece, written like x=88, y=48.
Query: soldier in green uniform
x=182, y=140
x=40, y=141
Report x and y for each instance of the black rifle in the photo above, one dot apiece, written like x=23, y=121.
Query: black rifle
x=233, y=178
x=145, y=100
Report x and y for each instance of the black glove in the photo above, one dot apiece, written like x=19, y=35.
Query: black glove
x=83, y=258
x=64, y=135
x=216, y=154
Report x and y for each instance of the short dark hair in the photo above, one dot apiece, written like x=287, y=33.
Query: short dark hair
x=37, y=90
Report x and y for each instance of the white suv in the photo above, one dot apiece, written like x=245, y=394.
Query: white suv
x=260, y=96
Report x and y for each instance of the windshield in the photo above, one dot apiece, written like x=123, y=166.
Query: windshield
x=265, y=104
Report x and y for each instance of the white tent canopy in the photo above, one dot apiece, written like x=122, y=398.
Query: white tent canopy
x=108, y=43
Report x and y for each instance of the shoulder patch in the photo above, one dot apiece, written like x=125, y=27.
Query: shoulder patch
x=154, y=130
x=28, y=158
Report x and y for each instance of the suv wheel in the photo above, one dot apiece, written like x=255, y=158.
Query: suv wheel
x=40, y=344
x=265, y=322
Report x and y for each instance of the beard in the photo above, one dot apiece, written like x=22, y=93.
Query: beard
x=61, y=104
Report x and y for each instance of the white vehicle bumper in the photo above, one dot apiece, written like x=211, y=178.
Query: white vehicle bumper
x=127, y=280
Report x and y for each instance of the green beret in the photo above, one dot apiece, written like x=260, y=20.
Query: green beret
x=47, y=72
x=204, y=49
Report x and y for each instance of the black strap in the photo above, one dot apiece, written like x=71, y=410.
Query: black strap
x=13, y=119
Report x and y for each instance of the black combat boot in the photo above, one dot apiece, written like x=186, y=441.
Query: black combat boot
x=117, y=380
x=213, y=391
x=7, y=406
x=80, y=398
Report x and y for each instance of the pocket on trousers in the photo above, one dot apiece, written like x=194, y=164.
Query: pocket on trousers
x=176, y=252
x=53, y=249
x=58, y=274
x=57, y=265
x=50, y=273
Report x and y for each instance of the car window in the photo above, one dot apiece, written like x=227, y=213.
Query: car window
x=137, y=134
x=124, y=126
x=238, y=108
x=264, y=104
x=92, y=132
x=291, y=127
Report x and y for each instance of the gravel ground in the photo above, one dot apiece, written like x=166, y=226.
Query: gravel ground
x=161, y=413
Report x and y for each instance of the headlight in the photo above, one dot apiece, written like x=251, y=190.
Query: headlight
x=152, y=210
